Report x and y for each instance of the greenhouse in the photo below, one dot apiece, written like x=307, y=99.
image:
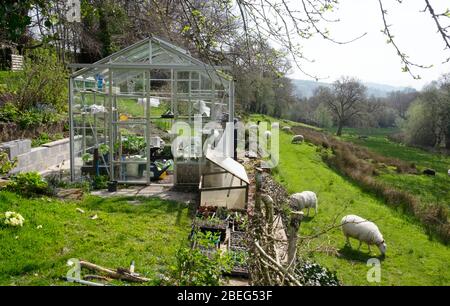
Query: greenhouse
x=123, y=108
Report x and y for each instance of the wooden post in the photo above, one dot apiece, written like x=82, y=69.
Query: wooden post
x=294, y=225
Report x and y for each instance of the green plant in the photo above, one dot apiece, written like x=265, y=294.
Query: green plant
x=239, y=258
x=313, y=274
x=100, y=182
x=6, y=164
x=103, y=149
x=195, y=267
x=44, y=138
x=133, y=144
x=28, y=184
x=9, y=112
x=86, y=157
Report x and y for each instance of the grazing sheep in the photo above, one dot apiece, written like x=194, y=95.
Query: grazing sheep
x=429, y=172
x=267, y=134
x=305, y=199
x=275, y=125
x=286, y=128
x=363, y=230
x=297, y=139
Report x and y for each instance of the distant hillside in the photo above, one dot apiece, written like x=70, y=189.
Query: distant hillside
x=305, y=88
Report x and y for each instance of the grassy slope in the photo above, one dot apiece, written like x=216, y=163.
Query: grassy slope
x=412, y=259
x=430, y=189
x=148, y=233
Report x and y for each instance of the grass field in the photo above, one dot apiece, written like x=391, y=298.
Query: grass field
x=412, y=259
x=430, y=189
x=148, y=231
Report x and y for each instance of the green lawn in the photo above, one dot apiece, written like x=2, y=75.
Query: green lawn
x=148, y=231
x=429, y=189
x=412, y=259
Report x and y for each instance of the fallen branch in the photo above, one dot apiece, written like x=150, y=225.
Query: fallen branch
x=277, y=265
x=121, y=274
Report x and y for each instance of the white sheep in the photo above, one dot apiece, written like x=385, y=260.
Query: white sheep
x=363, y=230
x=305, y=199
x=448, y=172
x=297, y=139
x=286, y=128
x=267, y=134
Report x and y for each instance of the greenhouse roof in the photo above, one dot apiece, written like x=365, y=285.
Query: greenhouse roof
x=149, y=53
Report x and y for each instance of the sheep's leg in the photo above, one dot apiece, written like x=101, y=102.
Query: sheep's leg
x=369, y=248
x=348, y=241
x=308, y=212
x=359, y=247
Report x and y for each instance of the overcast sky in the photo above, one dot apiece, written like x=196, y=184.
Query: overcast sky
x=370, y=58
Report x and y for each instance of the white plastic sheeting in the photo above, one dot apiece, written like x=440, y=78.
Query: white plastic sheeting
x=154, y=102
x=201, y=108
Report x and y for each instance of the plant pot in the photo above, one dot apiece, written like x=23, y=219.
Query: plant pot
x=112, y=186
x=88, y=170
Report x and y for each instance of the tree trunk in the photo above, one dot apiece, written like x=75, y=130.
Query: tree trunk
x=339, y=130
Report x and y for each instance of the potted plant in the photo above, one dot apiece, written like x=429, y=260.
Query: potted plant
x=103, y=149
x=88, y=167
x=87, y=159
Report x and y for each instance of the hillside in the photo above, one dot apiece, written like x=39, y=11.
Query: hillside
x=421, y=259
x=305, y=88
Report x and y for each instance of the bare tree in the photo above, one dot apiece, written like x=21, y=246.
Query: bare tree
x=401, y=100
x=345, y=100
x=442, y=22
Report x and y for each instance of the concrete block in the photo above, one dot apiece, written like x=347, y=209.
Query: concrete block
x=16, y=147
x=57, y=143
x=24, y=145
x=11, y=148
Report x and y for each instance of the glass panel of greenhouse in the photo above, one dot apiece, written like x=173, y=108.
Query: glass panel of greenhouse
x=123, y=107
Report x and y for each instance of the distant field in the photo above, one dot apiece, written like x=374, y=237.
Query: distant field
x=430, y=189
x=412, y=258
x=148, y=231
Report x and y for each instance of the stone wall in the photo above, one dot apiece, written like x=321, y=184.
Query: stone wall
x=10, y=130
x=37, y=159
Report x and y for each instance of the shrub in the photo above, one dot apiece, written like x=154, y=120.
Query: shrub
x=9, y=112
x=28, y=184
x=43, y=82
x=313, y=274
x=100, y=182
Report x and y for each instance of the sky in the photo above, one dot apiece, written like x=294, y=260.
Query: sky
x=370, y=58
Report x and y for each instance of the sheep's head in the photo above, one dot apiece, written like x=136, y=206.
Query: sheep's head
x=382, y=247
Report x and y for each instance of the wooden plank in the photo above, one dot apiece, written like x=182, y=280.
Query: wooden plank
x=16, y=62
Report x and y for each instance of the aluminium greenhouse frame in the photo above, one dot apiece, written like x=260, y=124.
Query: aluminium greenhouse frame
x=125, y=93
